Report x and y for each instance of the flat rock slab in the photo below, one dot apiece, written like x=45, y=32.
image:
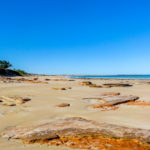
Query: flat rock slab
x=113, y=100
x=103, y=94
x=79, y=130
x=107, y=85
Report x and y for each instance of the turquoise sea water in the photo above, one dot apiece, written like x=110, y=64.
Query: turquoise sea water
x=144, y=77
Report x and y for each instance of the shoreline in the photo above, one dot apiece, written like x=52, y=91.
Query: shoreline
x=121, y=77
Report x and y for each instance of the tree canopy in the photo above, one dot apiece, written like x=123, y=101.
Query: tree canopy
x=5, y=64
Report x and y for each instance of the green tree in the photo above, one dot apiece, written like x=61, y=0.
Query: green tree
x=5, y=64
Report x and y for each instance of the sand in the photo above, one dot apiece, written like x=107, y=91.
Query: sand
x=42, y=107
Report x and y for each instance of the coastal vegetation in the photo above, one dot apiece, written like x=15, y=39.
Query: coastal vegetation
x=6, y=71
x=21, y=72
x=5, y=64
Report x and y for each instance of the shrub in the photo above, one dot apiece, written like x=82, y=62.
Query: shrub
x=21, y=72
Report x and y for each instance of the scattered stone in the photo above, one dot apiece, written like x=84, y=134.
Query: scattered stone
x=20, y=80
x=90, y=84
x=95, y=86
x=31, y=81
x=22, y=100
x=109, y=85
x=87, y=83
x=47, y=79
x=12, y=101
x=80, y=133
x=61, y=80
x=35, y=79
x=71, y=80
x=110, y=94
x=59, y=88
x=62, y=88
x=63, y=105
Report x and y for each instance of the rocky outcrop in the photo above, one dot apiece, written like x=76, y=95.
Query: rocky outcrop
x=80, y=133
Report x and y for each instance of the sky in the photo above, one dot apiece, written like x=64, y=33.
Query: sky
x=76, y=36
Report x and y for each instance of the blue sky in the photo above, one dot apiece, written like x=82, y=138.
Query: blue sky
x=76, y=36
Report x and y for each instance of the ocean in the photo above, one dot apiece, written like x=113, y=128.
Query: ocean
x=140, y=77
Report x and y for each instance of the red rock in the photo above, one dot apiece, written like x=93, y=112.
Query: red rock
x=80, y=133
x=63, y=105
